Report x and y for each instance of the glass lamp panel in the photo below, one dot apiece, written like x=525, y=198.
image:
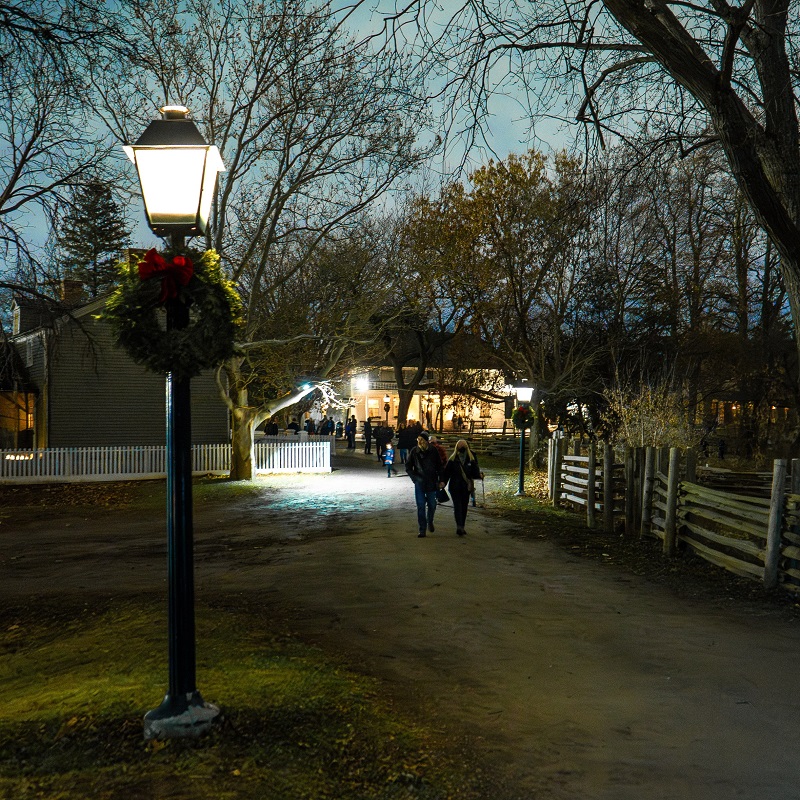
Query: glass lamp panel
x=524, y=393
x=214, y=166
x=172, y=181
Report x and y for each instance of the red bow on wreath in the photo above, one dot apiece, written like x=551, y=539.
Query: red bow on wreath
x=177, y=272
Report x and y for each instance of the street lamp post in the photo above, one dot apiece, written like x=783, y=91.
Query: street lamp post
x=524, y=394
x=178, y=174
x=386, y=406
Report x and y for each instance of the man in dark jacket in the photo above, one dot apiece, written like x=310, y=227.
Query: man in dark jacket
x=406, y=437
x=424, y=467
x=367, y=435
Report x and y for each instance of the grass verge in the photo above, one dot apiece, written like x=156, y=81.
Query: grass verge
x=78, y=678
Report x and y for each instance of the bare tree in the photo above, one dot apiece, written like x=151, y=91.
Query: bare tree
x=44, y=118
x=698, y=72
x=313, y=128
x=622, y=251
x=680, y=272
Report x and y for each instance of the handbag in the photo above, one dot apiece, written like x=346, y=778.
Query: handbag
x=442, y=496
x=470, y=483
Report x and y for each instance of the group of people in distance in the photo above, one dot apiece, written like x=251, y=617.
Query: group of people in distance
x=426, y=462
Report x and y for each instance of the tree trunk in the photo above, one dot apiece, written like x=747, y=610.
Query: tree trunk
x=242, y=443
x=533, y=440
x=244, y=419
x=406, y=396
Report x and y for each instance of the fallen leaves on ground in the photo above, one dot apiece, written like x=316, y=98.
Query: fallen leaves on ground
x=105, y=495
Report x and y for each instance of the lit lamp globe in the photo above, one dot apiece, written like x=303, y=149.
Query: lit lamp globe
x=524, y=392
x=178, y=174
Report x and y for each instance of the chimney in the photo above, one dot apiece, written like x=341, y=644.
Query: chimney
x=71, y=291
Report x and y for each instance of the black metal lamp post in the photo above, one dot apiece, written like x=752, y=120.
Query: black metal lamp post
x=178, y=176
x=524, y=392
x=386, y=406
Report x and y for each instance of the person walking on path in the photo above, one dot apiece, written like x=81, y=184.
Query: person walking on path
x=383, y=437
x=425, y=470
x=461, y=472
x=367, y=436
x=347, y=434
x=388, y=460
x=437, y=443
x=350, y=431
x=405, y=440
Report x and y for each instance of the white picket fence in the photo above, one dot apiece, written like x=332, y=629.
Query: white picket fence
x=74, y=464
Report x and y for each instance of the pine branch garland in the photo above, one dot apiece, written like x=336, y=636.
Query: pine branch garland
x=138, y=320
x=522, y=417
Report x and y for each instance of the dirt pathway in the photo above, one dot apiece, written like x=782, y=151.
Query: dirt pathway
x=575, y=681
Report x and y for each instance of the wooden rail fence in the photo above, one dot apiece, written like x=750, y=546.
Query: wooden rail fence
x=747, y=523
x=581, y=481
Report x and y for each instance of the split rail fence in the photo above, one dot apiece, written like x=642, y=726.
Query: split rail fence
x=73, y=464
x=747, y=523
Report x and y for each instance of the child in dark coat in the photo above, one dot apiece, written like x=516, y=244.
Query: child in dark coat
x=388, y=459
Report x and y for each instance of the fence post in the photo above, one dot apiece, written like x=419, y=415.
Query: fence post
x=557, y=471
x=773, y=551
x=670, y=523
x=638, y=482
x=795, y=481
x=576, y=447
x=691, y=465
x=794, y=488
x=608, y=487
x=630, y=493
x=591, y=486
x=662, y=460
x=550, y=460
x=647, y=494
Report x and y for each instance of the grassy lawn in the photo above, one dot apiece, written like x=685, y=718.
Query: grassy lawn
x=503, y=474
x=77, y=680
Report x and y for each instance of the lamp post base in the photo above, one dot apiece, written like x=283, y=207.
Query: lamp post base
x=180, y=718
x=520, y=494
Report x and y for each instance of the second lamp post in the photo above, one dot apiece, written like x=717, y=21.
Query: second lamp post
x=524, y=392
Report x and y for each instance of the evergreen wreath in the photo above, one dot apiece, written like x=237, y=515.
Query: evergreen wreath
x=522, y=417
x=135, y=312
